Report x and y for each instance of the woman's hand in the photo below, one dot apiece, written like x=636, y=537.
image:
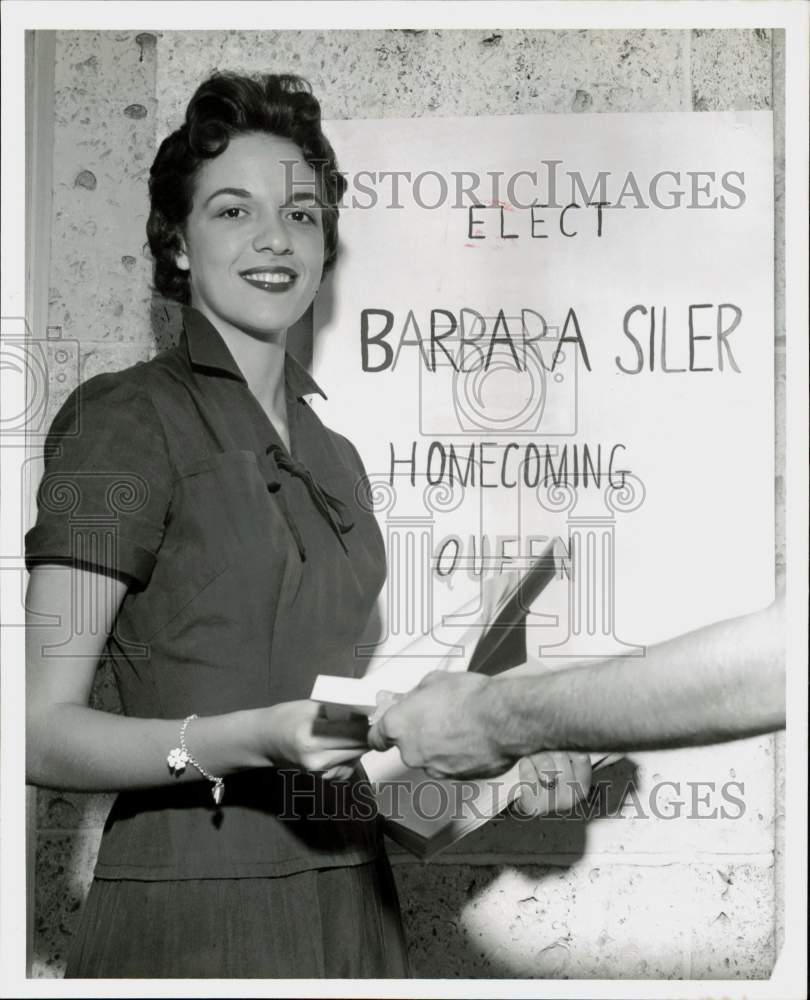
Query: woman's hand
x=73, y=746
x=298, y=733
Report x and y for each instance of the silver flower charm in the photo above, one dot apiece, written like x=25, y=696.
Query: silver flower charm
x=177, y=760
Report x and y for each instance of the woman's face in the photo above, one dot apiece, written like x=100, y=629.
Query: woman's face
x=253, y=241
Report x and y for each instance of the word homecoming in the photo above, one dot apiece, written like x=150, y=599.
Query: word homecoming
x=467, y=340
x=490, y=464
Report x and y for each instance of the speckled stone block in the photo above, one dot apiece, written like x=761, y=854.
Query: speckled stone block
x=731, y=69
x=730, y=937
x=104, y=142
x=98, y=358
x=64, y=872
x=404, y=74
x=589, y=921
x=61, y=811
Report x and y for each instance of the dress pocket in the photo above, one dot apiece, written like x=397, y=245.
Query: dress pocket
x=211, y=496
x=217, y=461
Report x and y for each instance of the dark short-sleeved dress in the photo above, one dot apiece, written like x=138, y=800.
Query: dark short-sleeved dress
x=252, y=569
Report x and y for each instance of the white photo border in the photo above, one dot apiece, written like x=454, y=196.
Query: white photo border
x=788, y=979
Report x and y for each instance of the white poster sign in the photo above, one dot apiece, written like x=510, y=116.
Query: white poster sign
x=560, y=325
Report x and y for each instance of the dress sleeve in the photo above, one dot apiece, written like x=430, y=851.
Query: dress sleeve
x=105, y=493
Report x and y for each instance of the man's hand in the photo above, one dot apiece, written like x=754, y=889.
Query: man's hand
x=552, y=781
x=443, y=727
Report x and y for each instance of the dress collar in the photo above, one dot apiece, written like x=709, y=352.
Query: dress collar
x=207, y=349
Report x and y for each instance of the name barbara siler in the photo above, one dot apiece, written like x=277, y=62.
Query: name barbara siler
x=656, y=337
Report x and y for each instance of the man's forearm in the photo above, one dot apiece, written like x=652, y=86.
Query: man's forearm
x=724, y=681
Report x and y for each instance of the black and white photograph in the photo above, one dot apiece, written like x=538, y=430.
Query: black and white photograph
x=404, y=513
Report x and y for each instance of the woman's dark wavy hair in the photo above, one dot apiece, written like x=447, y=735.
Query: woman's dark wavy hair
x=225, y=105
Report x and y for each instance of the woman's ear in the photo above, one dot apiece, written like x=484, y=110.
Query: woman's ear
x=181, y=257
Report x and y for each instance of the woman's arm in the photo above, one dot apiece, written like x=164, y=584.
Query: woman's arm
x=70, y=613
x=720, y=682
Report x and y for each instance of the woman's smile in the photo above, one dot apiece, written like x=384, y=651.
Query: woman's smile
x=275, y=280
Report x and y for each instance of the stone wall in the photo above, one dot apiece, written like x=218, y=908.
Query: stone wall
x=619, y=897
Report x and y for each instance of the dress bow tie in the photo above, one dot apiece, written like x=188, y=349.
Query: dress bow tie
x=330, y=507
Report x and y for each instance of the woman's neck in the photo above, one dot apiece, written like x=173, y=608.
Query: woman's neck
x=262, y=364
x=261, y=361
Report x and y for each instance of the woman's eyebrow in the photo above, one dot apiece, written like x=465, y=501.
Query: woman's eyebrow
x=296, y=196
x=238, y=192
x=307, y=195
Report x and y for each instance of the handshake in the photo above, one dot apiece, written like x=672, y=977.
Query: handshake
x=453, y=725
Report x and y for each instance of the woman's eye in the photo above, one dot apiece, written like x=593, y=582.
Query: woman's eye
x=231, y=213
x=299, y=215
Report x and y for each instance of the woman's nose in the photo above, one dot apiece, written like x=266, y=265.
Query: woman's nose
x=273, y=236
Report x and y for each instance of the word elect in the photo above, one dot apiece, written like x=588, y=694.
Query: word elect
x=530, y=223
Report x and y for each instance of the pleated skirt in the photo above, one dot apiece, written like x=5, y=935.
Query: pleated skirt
x=333, y=923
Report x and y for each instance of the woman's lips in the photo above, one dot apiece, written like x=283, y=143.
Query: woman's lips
x=271, y=279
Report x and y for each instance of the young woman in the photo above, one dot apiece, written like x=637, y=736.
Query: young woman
x=198, y=526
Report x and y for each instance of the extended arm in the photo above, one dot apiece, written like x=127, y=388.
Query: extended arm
x=721, y=682
x=70, y=745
